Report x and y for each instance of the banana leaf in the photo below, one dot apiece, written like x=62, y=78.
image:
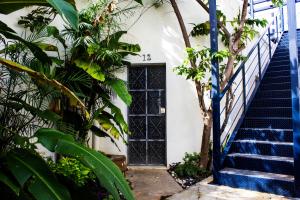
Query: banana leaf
x=64, y=8
x=10, y=183
x=139, y=1
x=32, y=170
x=42, y=79
x=92, y=69
x=120, y=87
x=36, y=51
x=108, y=174
x=18, y=104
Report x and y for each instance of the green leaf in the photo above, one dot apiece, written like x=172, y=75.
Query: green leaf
x=139, y=1
x=19, y=104
x=10, y=183
x=64, y=8
x=112, y=41
x=108, y=174
x=42, y=79
x=128, y=49
x=120, y=87
x=118, y=117
x=107, y=125
x=49, y=137
x=4, y=27
x=26, y=166
x=37, y=51
x=54, y=32
x=92, y=69
x=9, y=6
x=47, y=47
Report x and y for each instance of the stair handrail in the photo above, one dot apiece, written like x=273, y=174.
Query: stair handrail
x=262, y=65
x=232, y=79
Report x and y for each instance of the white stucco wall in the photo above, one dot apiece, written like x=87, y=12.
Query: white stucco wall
x=158, y=33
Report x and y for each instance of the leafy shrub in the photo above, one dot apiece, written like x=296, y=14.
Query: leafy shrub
x=72, y=169
x=189, y=168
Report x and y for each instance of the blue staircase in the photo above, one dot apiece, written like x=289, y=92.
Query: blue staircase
x=261, y=155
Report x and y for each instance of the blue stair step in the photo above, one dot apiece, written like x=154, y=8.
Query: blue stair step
x=278, y=67
x=259, y=181
x=273, y=94
x=283, y=50
x=275, y=86
x=266, y=112
x=279, y=79
x=286, y=43
x=264, y=163
x=272, y=102
x=261, y=154
x=280, y=57
x=283, y=62
x=265, y=135
x=271, y=148
x=270, y=123
x=277, y=73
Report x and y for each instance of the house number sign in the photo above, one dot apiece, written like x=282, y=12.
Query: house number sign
x=147, y=57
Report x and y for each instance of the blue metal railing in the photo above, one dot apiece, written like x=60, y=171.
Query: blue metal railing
x=294, y=66
x=266, y=5
x=243, y=85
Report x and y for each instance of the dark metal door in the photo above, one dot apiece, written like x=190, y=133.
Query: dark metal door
x=147, y=115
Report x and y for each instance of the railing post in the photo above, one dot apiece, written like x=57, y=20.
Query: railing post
x=252, y=9
x=282, y=19
x=215, y=91
x=270, y=49
x=259, y=60
x=244, y=88
x=293, y=50
x=276, y=27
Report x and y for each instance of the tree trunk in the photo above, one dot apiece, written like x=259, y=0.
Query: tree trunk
x=228, y=71
x=205, y=146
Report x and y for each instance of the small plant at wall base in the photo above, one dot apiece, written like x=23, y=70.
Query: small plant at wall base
x=197, y=65
x=188, y=172
x=72, y=169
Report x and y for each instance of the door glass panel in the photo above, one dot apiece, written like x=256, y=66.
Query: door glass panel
x=156, y=127
x=156, y=77
x=137, y=152
x=137, y=126
x=137, y=77
x=153, y=102
x=156, y=152
x=138, y=103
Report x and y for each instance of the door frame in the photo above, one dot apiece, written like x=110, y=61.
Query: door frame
x=166, y=113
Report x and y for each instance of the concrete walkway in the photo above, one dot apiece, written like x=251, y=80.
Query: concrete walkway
x=152, y=184
x=206, y=191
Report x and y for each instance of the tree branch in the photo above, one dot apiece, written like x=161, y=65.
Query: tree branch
x=181, y=23
x=223, y=28
x=240, y=30
x=199, y=88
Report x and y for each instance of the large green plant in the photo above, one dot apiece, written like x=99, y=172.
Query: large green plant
x=22, y=169
x=97, y=50
x=28, y=168
x=107, y=173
